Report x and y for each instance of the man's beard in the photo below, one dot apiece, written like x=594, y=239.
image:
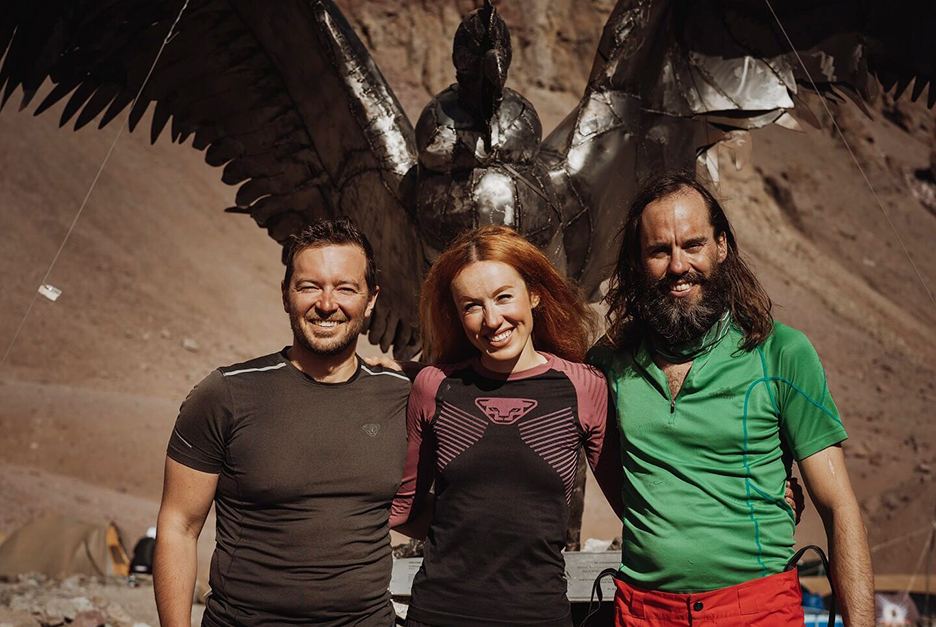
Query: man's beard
x=678, y=320
x=326, y=346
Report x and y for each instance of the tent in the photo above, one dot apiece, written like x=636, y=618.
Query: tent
x=59, y=546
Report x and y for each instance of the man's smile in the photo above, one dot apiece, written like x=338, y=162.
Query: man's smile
x=325, y=324
x=682, y=288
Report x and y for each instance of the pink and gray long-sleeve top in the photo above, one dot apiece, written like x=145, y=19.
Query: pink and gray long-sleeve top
x=502, y=452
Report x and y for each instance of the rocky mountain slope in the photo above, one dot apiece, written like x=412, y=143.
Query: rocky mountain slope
x=159, y=285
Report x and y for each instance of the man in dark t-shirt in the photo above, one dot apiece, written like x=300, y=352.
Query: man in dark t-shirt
x=302, y=452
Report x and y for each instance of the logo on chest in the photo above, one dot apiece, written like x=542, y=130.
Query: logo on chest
x=371, y=429
x=505, y=411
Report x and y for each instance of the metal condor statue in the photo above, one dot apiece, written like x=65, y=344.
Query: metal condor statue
x=286, y=98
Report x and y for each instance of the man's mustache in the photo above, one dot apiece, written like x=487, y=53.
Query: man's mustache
x=692, y=277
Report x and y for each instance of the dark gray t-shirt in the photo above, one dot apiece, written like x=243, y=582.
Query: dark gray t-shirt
x=307, y=474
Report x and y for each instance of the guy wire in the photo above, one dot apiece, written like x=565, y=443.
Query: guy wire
x=93, y=183
x=898, y=539
x=916, y=569
x=851, y=152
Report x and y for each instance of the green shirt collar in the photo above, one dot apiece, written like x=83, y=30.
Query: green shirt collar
x=644, y=358
x=694, y=348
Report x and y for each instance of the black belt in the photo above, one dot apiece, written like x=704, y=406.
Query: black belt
x=613, y=572
x=596, y=590
x=825, y=564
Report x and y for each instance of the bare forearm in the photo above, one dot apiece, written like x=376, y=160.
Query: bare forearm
x=174, y=569
x=827, y=481
x=851, y=567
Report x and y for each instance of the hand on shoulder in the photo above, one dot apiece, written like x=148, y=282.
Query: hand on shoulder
x=409, y=368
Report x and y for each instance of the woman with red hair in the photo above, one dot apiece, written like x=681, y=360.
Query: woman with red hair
x=497, y=423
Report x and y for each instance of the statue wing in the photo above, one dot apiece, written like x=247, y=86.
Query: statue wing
x=282, y=94
x=672, y=78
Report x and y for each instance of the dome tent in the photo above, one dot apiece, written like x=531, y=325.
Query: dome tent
x=60, y=546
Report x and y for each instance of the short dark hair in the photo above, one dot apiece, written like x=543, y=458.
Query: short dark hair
x=749, y=303
x=336, y=232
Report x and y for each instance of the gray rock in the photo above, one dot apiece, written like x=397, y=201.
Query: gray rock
x=94, y=618
x=117, y=614
x=56, y=611
x=890, y=501
x=75, y=582
x=82, y=604
x=23, y=603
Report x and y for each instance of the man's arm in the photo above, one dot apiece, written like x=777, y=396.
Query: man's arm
x=187, y=497
x=830, y=489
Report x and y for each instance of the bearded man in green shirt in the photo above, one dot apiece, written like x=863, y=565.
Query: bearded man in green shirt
x=714, y=401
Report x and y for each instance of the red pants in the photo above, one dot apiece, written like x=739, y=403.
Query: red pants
x=774, y=601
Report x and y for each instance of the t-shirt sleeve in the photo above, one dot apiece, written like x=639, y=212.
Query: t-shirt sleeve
x=419, y=470
x=809, y=419
x=198, y=439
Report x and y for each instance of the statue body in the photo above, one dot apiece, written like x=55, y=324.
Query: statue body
x=474, y=173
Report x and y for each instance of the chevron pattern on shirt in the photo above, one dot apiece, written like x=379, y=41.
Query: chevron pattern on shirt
x=555, y=438
x=456, y=430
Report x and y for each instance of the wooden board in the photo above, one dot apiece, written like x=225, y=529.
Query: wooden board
x=581, y=570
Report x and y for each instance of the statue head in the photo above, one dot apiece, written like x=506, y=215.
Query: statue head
x=481, y=55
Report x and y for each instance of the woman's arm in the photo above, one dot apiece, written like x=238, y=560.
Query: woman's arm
x=603, y=448
x=601, y=437
x=413, y=506
x=417, y=525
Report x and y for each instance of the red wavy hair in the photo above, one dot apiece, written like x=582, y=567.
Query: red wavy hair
x=562, y=323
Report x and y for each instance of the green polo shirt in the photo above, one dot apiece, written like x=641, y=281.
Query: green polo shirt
x=705, y=472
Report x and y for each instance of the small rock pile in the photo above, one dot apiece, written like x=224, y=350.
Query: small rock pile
x=413, y=548
x=78, y=601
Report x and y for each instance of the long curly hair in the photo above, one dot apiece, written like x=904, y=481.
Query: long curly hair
x=749, y=303
x=562, y=323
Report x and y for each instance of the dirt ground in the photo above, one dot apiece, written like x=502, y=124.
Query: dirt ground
x=160, y=286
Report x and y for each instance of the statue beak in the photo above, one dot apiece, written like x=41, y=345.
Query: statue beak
x=494, y=69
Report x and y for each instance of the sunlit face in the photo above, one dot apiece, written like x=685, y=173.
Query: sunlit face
x=683, y=290
x=496, y=311
x=327, y=299
x=678, y=244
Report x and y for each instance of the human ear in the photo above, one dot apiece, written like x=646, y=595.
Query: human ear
x=371, y=301
x=722, y=242
x=534, y=300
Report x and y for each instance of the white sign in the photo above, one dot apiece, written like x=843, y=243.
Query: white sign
x=50, y=291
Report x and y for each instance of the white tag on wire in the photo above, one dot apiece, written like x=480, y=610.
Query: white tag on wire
x=50, y=291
